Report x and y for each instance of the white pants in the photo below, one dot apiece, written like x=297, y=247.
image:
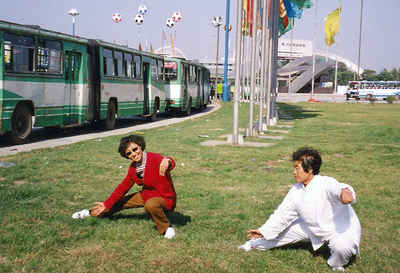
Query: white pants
x=342, y=247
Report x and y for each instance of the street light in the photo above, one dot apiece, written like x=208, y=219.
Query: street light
x=217, y=22
x=73, y=12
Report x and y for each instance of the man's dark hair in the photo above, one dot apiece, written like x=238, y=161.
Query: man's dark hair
x=310, y=159
x=124, y=142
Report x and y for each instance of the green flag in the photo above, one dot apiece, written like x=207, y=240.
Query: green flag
x=302, y=3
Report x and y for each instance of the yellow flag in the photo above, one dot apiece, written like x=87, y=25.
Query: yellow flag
x=332, y=26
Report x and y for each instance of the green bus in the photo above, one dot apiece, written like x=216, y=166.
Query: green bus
x=51, y=79
x=187, y=84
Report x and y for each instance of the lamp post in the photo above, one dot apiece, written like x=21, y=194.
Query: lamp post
x=217, y=22
x=73, y=12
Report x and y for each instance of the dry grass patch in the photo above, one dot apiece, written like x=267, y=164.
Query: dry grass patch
x=20, y=182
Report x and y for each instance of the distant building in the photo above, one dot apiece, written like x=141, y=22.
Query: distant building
x=295, y=57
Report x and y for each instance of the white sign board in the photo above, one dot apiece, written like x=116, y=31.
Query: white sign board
x=294, y=48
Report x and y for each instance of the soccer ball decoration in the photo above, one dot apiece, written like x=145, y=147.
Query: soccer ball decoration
x=177, y=16
x=217, y=21
x=170, y=22
x=116, y=17
x=139, y=19
x=143, y=10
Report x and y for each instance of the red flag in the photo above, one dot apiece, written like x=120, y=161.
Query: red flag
x=250, y=16
x=140, y=46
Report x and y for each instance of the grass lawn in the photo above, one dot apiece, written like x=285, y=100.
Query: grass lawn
x=222, y=192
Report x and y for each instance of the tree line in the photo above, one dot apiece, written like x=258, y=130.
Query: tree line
x=344, y=75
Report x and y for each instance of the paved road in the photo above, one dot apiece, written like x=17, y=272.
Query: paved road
x=44, y=142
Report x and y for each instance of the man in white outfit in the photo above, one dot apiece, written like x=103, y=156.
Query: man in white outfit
x=316, y=209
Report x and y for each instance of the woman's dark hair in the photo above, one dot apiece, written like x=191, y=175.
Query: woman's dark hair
x=310, y=159
x=124, y=142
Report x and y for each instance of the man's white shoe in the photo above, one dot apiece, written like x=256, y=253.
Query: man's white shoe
x=170, y=233
x=338, y=268
x=81, y=214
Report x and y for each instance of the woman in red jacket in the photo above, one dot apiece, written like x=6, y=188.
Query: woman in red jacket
x=152, y=172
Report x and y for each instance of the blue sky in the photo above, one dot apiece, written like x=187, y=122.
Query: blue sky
x=195, y=34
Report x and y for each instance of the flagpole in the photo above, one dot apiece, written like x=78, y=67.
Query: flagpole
x=359, y=41
x=290, y=58
x=238, y=48
x=337, y=52
x=253, y=66
x=225, y=91
x=271, y=23
x=313, y=61
x=263, y=63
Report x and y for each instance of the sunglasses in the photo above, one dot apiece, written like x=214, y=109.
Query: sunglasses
x=134, y=150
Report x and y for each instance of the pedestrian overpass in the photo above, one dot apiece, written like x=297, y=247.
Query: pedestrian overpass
x=300, y=71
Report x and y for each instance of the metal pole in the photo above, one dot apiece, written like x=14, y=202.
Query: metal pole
x=242, y=68
x=216, y=63
x=269, y=85
x=73, y=26
x=263, y=64
x=225, y=91
x=336, y=69
x=239, y=12
x=253, y=67
x=290, y=58
x=315, y=33
x=359, y=42
x=274, y=63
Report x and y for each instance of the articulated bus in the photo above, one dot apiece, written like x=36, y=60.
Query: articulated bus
x=51, y=79
x=188, y=85
x=373, y=89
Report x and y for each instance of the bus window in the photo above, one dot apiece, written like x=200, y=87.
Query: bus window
x=118, y=63
x=48, y=57
x=171, y=71
x=137, y=67
x=127, y=65
x=153, y=68
x=193, y=78
x=18, y=53
x=160, y=73
x=108, y=63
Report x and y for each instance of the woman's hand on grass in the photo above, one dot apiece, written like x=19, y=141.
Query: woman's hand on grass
x=254, y=234
x=98, y=209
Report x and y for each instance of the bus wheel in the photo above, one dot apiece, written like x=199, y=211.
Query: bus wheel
x=188, y=109
x=111, y=116
x=21, y=124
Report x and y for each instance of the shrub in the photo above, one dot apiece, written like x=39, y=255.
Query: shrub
x=391, y=99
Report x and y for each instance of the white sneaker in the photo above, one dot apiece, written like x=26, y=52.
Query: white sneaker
x=338, y=268
x=81, y=214
x=170, y=233
x=258, y=244
x=246, y=246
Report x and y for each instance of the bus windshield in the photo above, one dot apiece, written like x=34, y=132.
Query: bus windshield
x=171, y=71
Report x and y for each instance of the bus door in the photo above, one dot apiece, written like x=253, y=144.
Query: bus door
x=201, y=86
x=185, y=84
x=72, y=69
x=146, y=89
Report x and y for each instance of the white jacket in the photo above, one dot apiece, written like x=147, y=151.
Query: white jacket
x=319, y=206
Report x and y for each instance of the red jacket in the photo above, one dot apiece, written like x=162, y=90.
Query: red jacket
x=153, y=184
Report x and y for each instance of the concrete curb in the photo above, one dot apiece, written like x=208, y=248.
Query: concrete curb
x=11, y=150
